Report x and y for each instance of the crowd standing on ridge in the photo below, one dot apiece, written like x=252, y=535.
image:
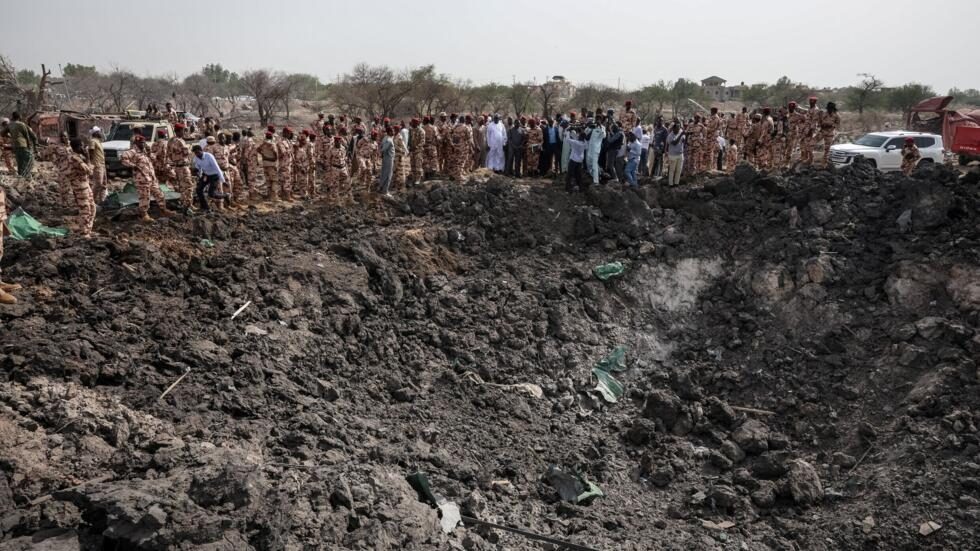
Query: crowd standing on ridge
x=336, y=155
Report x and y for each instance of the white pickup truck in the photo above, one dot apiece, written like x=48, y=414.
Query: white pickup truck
x=119, y=137
x=884, y=149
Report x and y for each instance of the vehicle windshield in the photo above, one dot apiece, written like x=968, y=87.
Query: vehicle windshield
x=871, y=140
x=124, y=132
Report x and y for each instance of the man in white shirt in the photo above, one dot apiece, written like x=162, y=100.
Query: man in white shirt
x=209, y=174
x=645, y=141
x=576, y=158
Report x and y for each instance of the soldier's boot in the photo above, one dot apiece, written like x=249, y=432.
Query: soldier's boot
x=7, y=298
x=165, y=212
x=146, y=217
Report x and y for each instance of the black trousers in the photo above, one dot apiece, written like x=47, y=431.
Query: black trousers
x=658, y=164
x=574, y=176
x=205, y=188
x=515, y=159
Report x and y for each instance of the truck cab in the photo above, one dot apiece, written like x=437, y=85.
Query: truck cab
x=118, y=140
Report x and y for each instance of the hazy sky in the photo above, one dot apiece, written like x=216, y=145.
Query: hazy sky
x=633, y=43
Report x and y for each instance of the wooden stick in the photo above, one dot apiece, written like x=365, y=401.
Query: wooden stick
x=240, y=310
x=753, y=410
x=859, y=461
x=529, y=535
x=171, y=387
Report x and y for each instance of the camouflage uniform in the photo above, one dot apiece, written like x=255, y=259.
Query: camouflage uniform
x=336, y=178
x=695, y=139
x=161, y=164
x=461, y=138
x=764, y=143
x=796, y=127
x=445, y=146
x=752, y=142
x=731, y=157
x=248, y=166
x=829, y=123
x=430, y=157
x=285, y=148
x=416, y=147
x=778, y=145
x=628, y=120
x=302, y=177
x=8, y=154
x=366, y=149
x=743, y=124
x=401, y=162
x=146, y=180
x=712, y=128
x=810, y=129
x=79, y=175
x=60, y=156
x=180, y=165
x=910, y=157
x=532, y=149
x=234, y=173
x=221, y=156
x=269, y=152
x=100, y=181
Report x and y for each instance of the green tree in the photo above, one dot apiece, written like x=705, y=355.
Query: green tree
x=27, y=77
x=651, y=99
x=866, y=95
x=906, y=96
x=756, y=94
x=683, y=90
x=216, y=73
x=73, y=70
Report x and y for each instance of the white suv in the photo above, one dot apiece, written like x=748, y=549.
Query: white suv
x=884, y=149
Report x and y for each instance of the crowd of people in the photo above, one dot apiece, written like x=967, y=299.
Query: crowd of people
x=217, y=169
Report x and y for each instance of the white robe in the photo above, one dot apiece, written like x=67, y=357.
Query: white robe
x=496, y=139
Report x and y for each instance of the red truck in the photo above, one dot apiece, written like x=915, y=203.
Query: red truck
x=960, y=129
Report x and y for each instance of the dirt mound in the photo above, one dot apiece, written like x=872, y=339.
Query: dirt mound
x=800, y=370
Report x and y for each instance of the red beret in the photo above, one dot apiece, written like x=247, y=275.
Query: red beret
x=268, y=135
x=374, y=133
x=909, y=139
x=766, y=110
x=629, y=103
x=337, y=139
x=415, y=121
x=792, y=104
x=139, y=138
x=812, y=98
x=179, y=126
x=271, y=128
x=387, y=119
x=396, y=128
x=162, y=132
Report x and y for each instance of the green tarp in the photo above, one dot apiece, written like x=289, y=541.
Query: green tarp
x=129, y=197
x=607, y=385
x=607, y=271
x=24, y=226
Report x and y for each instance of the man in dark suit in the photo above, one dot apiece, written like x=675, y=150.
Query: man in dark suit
x=549, y=147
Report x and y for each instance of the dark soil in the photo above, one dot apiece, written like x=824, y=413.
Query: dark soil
x=800, y=363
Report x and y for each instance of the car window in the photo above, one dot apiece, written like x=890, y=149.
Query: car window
x=924, y=141
x=871, y=140
x=896, y=142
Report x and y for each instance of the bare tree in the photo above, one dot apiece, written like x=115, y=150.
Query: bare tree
x=520, y=97
x=196, y=92
x=120, y=86
x=865, y=94
x=266, y=88
x=548, y=92
x=27, y=98
x=373, y=90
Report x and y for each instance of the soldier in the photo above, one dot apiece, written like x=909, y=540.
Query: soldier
x=712, y=129
x=910, y=156
x=337, y=177
x=795, y=125
x=318, y=123
x=60, y=155
x=5, y=288
x=285, y=148
x=79, y=173
x=696, y=145
x=731, y=155
x=742, y=122
x=829, y=123
x=234, y=174
x=96, y=155
x=172, y=116
x=732, y=131
x=813, y=116
x=269, y=152
x=779, y=139
x=179, y=161
x=138, y=159
x=366, y=151
x=628, y=119
x=358, y=126
x=764, y=140
x=461, y=137
x=445, y=143
x=302, y=179
x=6, y=149
x=480, y=141
x=401, y=159
x=161, y=164
x=430, y=154
x=752, y=140
x=218, y=148
x=416, y=148
x=532, y=151
x=248, y=168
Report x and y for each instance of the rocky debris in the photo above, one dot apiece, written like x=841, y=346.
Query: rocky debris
x=785, y=328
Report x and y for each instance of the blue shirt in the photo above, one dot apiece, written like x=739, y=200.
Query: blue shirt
x=633, y=151
x=207, y=165
x=552, y=134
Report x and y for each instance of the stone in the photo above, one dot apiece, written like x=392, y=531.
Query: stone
x=752, y=436
x=928, y=528
x=405, y=394
x=724, y=497
x=931, y=327
x=765, y=496
x=804, y=483
x=663, y=405
x=844, y=460
x=720, y=412
x=327, y=390
x=732, y=451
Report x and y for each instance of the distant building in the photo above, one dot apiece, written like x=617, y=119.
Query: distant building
x=714, y=87
x=564, y=89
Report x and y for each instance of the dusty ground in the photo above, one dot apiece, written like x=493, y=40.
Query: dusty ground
x=853, y=342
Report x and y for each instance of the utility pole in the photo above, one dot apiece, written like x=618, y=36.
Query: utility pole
x=64, y=81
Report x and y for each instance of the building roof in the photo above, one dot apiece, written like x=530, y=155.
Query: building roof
x=713, y=80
